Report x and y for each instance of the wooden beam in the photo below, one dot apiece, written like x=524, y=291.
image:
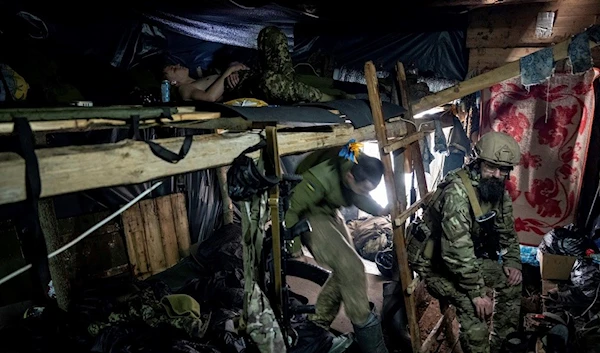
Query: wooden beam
x=77, y=168
x=96, y=123
x=112, y=112
x=402, y=217
x=192, y=119
x=404, y=142
x=485, y=80
x=435, y=332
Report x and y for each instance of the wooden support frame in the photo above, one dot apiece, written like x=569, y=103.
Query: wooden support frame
x=77, y=168
x=399, y=214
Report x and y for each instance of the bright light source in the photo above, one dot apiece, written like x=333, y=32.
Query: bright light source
x=380, y=192
x=430, y=111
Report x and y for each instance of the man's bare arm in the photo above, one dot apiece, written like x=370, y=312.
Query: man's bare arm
x=215, y=91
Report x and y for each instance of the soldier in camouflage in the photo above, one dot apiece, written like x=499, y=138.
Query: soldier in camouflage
x=275, y=81
x=470, y=261
x=330, y=182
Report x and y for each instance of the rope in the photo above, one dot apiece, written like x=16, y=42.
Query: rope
x=86, y=233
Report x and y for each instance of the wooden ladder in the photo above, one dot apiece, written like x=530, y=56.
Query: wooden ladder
x=396, y=194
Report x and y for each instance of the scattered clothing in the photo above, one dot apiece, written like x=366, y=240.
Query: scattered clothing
x=371, y=235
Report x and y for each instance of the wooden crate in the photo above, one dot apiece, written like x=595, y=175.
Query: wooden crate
x=157, y=234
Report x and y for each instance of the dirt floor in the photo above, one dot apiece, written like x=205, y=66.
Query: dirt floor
x=427, y=307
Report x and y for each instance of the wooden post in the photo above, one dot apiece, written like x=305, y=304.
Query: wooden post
x=405, y=272
x=417, y=159
x=61, y=265
x=227, y=203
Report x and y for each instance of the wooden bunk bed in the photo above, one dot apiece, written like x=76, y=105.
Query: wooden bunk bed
x=77, y=168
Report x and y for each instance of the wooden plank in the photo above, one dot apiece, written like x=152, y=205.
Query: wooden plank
x=103, y=251
x=401, y=219
x=417, y=159
x=404, y=142
x=484, y=80
x=515, y=26
x=484, y=59
x=87, y=124
x=167, y=229
x=435, y=332
x=112, y=112
x=77, y=168
x=181, y=224
x=135, y=239
x=405, y=272
x=152, y=233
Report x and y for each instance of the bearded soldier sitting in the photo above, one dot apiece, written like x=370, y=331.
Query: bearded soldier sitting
x=465, y=246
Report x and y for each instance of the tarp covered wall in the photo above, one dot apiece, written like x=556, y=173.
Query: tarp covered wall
x=197, y=36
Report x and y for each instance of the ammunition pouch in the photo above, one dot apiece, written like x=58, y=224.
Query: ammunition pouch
x=419, y=241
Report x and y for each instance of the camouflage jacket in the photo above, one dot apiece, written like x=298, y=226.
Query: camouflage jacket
x=322, y=189
x=457, y=234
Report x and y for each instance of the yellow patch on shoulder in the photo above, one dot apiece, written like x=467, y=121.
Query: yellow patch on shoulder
x=311, y=187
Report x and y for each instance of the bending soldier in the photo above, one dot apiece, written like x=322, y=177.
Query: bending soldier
x=331, y=181
x=466, y=246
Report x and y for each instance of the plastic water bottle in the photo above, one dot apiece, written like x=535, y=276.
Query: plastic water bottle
x=165, y=91
x=529, y=255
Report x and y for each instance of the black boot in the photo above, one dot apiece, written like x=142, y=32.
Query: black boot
x=369, y=335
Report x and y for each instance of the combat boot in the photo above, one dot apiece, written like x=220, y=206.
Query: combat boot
x=369, y=335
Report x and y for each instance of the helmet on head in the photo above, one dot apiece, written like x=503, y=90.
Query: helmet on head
x=498, y=148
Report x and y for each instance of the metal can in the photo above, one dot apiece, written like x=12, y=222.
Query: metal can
x=165, y=91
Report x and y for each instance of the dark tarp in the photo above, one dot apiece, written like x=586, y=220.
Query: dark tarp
x=442, y=53
x=217, y=33
x=284, y=114
x=358, y=111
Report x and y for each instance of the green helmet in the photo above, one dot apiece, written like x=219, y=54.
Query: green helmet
x=498, y=148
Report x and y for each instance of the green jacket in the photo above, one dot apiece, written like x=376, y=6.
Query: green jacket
x=456, y=232
x=323, y=190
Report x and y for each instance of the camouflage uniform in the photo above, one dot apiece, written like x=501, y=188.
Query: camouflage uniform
x=318, y=198
x=145, y=307
x=275, y=82
x=456, y=267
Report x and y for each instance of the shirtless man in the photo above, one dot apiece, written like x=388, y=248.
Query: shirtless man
x=208, y=89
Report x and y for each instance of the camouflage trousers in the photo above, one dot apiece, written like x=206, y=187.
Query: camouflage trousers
x=332, y=247
x=275, y=82
x=145, y=307
x=477, y=336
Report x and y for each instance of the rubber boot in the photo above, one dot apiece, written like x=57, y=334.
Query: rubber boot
x=341, y=343
x=369, y=335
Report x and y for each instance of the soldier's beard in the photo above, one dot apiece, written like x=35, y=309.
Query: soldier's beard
x=491, y=189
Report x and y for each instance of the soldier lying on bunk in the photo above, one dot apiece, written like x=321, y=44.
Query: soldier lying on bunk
x=207, y=89
x=274, y=81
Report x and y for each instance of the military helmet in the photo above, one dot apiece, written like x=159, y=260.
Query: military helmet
x=498, y=148
x=244, y=179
